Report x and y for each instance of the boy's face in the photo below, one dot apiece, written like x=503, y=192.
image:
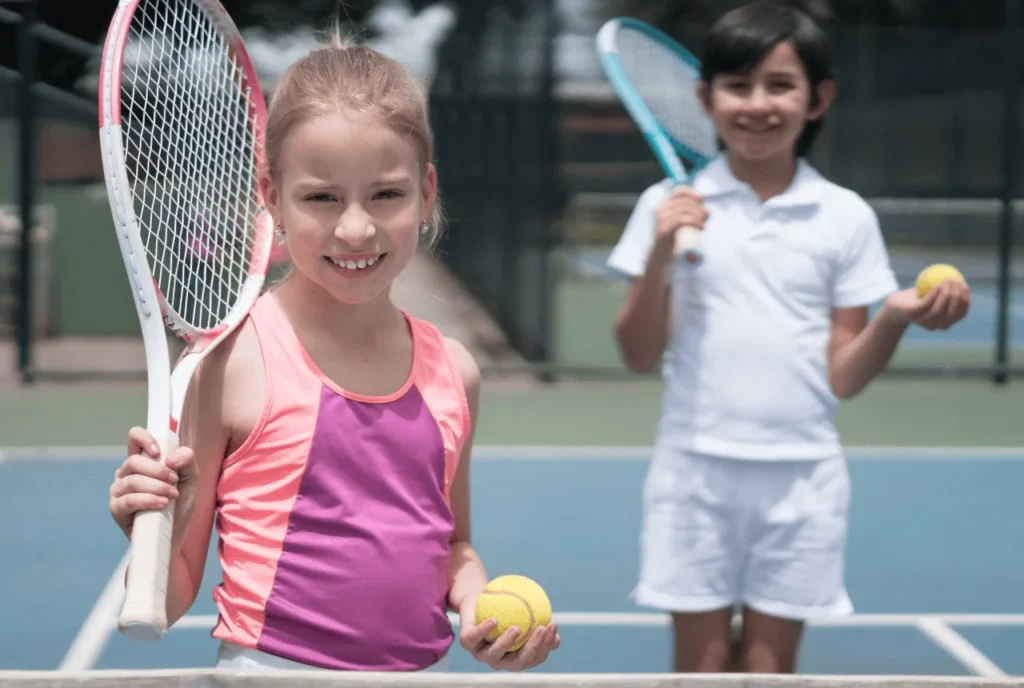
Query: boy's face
x=760, y=115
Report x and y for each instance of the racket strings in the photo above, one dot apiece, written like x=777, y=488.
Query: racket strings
x=668, y=87
x=191, y=145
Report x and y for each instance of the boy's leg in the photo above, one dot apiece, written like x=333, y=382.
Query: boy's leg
x=736, y=657
x=797, y=556
x=691, y=552
x=703, y=641
x=769, y=644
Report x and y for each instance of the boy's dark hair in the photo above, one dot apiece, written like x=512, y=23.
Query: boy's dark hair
x=740, y=39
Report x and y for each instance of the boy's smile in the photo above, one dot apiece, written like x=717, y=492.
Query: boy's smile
x=761, y=114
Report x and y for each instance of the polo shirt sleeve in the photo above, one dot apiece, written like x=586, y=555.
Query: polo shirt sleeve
x=629, y=256
x=865, y=276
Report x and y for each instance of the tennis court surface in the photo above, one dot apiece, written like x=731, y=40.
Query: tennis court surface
x=934, y=570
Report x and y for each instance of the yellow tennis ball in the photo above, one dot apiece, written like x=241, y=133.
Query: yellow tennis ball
x=933, y=275
x=513, y=601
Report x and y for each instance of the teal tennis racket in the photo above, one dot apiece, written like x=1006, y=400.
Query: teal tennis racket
x=656, y=79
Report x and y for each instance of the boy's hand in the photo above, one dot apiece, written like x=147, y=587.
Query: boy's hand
x=683, y=208
x=944, y=306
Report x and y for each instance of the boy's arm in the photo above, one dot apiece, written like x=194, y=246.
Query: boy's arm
x=860, y=349
x=641, y=325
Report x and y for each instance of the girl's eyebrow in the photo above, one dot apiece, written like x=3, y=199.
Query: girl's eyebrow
x=397, y=178
x=383, y=180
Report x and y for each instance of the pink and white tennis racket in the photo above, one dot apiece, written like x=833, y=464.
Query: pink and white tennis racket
x=181, y=117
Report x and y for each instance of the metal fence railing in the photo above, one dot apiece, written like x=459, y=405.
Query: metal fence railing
x=496, y=125
x=29, y=92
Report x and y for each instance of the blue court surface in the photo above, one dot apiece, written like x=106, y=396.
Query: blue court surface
x=935, y=562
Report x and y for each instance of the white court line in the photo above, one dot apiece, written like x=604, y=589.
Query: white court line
x=94, y=634
x=644, y=453
x=498, y=452
x=642, y=619
x=936, y=627
x=956, y=645
x=859, y=452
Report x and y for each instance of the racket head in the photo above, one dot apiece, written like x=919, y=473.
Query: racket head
x=181, y=164
x=656, y=79
x=181, y=118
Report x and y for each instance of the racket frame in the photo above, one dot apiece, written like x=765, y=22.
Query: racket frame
x=143, y=616
x=669, y=152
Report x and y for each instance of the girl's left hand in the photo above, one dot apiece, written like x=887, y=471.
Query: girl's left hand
x=497, y=655
x=944, y=306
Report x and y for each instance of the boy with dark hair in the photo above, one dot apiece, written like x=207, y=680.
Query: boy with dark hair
x=746, y=498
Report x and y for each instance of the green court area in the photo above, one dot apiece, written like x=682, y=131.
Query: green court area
x=587, y=294
x=896, y=412
x=586, y=309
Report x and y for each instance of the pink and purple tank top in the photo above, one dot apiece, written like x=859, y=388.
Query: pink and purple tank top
x=333, y=517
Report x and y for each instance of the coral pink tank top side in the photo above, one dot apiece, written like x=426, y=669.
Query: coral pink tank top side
x=333, y=517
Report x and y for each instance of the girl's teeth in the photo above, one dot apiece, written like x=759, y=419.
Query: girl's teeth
x=356, y=264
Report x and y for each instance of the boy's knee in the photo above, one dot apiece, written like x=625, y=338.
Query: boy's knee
x=703, y=642
x=770, y=644
x=761, y=658
x=710, y=658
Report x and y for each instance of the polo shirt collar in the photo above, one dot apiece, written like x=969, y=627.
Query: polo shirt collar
x=807, y=188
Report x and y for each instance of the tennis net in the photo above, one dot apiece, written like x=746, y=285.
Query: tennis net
x=203, y=678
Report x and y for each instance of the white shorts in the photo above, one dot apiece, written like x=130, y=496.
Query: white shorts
x=769, y=535
x=231, y=656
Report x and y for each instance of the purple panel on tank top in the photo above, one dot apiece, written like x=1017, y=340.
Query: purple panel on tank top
x=362, y=578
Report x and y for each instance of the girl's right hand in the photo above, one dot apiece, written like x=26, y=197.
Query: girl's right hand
x=683, y=208
x=142, y=483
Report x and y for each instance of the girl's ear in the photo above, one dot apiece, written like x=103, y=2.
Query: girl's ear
x=826, y=95
x=429, y=189
x=268, y=192
x=704, y=95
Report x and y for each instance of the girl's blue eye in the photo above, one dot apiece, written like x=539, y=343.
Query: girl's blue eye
x=389, y=194
x=320, y=197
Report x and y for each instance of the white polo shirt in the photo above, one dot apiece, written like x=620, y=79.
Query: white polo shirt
x=746, y=366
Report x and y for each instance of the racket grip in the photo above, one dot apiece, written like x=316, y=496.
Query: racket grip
x=144, y=612
x=687, y=245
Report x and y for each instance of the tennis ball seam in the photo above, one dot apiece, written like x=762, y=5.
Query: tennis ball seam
x=525, y=603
